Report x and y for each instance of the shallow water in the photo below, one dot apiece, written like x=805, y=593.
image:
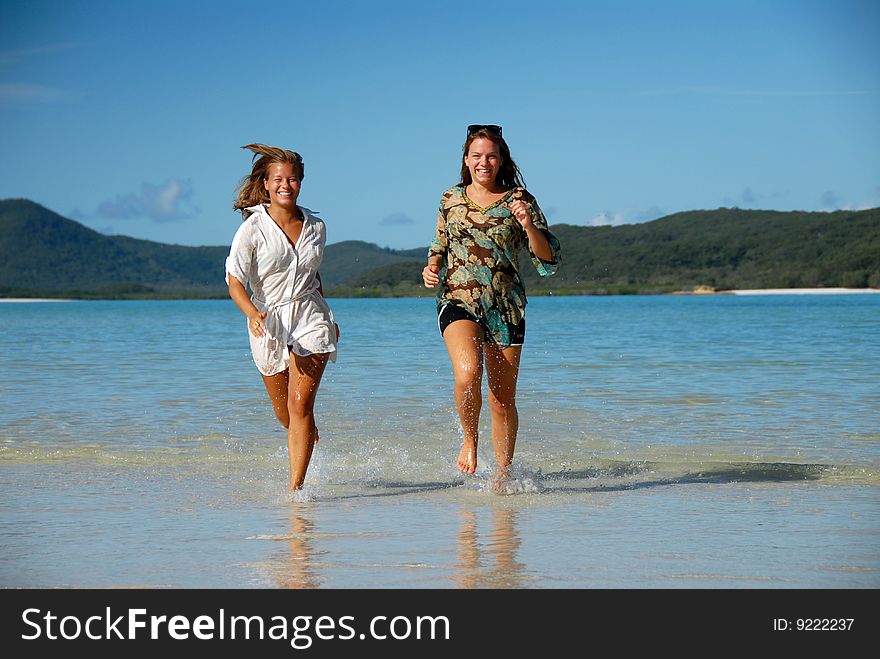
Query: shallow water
x=708, y=442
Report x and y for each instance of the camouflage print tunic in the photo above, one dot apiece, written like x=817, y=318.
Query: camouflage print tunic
x=480, y=249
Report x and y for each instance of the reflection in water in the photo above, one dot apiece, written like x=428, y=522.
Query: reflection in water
x=494, y=565
x=296, y=569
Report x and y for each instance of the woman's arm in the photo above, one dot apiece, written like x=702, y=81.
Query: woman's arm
x=436, y=253
x=430, y=273
x=238, y=293
x=538, y=243
x=543, y=245
x=321, y=291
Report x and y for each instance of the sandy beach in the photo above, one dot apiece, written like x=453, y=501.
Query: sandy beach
x=803, y=291
x=708, y=290
x=35, y=299
x=699, y=290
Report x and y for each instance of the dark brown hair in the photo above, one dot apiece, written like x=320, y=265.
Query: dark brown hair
x=509, y=175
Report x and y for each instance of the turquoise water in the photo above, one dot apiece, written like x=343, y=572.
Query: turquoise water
x=708, y=442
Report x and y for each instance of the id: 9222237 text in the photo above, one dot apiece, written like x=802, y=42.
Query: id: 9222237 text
x=813, y=624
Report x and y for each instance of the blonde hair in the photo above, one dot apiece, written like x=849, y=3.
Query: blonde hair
x=251, y=191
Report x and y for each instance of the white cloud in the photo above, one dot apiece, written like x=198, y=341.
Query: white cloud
x=168, y=202
x=626, y=216
x=12, y=56
x=396, y=219
x=873, y=201
x=829, y=200
x=649, y=214
x=27, y=92
x=14, y=91
x=722, y=91
x=608, y=219
x=751, y=198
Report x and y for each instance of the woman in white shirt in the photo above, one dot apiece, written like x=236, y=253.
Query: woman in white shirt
x=277, y=252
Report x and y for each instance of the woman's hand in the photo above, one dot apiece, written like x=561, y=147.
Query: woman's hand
x=522, y=213
x=257, y=323
x=430, y=276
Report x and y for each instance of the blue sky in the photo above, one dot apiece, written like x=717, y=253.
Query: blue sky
x=129, y=117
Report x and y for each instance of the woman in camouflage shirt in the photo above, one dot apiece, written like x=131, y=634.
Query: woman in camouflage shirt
x=483, y=224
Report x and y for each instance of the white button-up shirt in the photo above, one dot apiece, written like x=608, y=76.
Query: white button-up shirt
x=284, y=281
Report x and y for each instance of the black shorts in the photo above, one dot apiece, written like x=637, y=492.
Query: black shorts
x=449, y=313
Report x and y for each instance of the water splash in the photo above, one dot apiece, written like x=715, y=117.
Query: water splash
x=518, y=480
x=304, y=495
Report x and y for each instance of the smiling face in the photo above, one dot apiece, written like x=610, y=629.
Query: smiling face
x=483, y=160
x=282, y=184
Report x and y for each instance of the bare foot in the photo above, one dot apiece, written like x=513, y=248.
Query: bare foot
x=501, y=479
x=467, y=458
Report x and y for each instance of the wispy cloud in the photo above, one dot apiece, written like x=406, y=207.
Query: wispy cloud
x=627, y=216
x=608, y=218
x=396, y=219
x=170, y=201
x=829, y=200
x=649, y=214
x=11, y=92
x=30, y=92
x=12, y=56
x=873, y=201
x=751, y=198
x=724, y=91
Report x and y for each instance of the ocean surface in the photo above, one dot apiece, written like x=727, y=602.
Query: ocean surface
x=665, y=442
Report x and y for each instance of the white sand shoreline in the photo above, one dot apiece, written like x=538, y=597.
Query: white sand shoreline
x=36, y=299
x=803, y=291
x=696, y=291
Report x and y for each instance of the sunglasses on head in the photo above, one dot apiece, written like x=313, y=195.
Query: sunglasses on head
x=493, y=128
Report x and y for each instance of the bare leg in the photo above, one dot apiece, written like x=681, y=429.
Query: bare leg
x=468, y=564
x=505, y=542
x=305, y=376
x=276, y=386
x=298, y=571
x=464, y=341
x=502, y=370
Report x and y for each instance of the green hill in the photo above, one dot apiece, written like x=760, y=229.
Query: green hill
x=351, y=258
x=722, y=249
x=396, y=280
x=44, y=254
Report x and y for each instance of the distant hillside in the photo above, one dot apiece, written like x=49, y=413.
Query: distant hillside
x=42, y=253
x=722, y=249
x=350, y=258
